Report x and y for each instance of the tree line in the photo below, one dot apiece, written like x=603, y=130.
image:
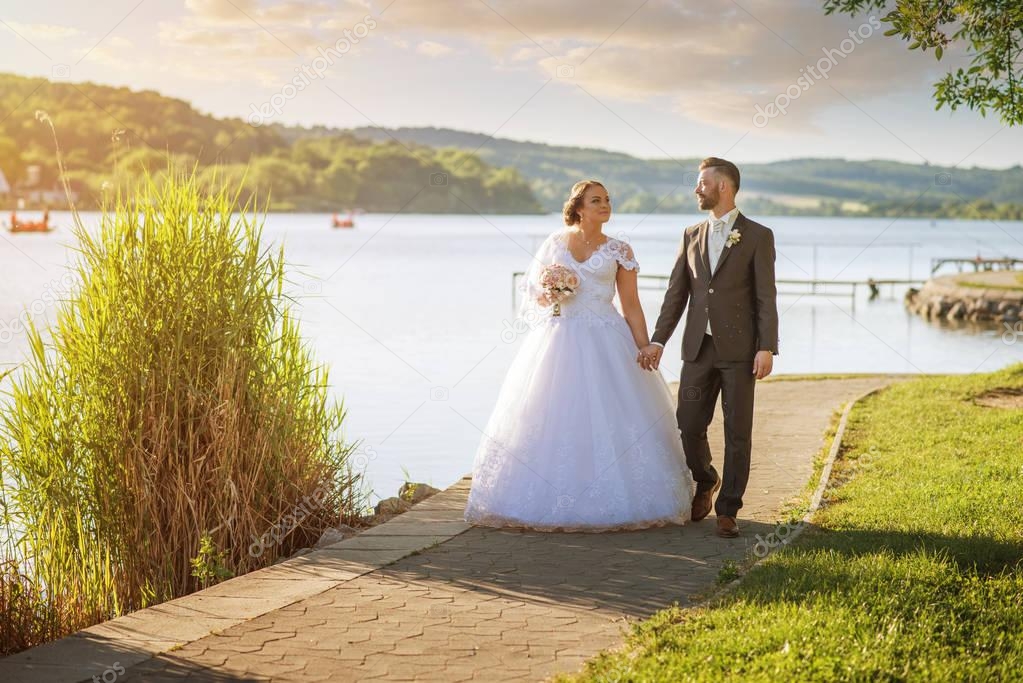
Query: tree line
x=107, y=135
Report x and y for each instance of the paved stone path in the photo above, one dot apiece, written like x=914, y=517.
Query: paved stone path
x=481, y=604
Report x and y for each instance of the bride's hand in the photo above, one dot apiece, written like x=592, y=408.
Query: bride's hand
x=550, y=298
x=649, y=356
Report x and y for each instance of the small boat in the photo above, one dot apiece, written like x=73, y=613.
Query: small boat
x=31, y=226
x=347, y=222
x=43, y=225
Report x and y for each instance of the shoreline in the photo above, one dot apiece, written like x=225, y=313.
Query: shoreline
x=983, y=297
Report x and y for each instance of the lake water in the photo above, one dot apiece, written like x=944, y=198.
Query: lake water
x=413, y=313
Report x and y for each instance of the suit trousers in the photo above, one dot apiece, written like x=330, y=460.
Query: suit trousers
x=702, y=381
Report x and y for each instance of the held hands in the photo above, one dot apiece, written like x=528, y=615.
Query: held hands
x=763, y=363
x=649, y=356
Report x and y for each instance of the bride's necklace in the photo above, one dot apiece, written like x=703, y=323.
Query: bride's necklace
x=583, y=236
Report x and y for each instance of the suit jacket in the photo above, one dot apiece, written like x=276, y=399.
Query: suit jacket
x=739, y=297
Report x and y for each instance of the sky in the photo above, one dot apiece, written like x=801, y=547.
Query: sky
x=654, y=78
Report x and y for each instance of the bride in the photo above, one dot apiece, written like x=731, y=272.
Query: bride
x=582, y=438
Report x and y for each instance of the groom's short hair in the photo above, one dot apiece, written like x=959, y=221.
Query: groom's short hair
x=724, y=167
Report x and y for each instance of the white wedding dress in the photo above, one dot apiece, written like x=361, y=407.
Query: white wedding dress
x=582, y=438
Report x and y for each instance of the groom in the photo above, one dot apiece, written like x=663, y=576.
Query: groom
x=724, y=273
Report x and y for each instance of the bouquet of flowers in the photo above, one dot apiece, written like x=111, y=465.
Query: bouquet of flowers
x=558, y=282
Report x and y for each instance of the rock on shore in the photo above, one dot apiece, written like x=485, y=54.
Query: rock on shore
x=946, y=298
x=409, y=494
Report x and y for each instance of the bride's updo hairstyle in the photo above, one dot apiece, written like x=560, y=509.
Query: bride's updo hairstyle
x=575, y=200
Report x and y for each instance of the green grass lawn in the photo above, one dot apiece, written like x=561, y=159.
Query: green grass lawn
x=1015, y=285
x=820, y=377
x=912, y=570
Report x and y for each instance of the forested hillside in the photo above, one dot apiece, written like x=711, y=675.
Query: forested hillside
x=812, y=186
x=108, y=134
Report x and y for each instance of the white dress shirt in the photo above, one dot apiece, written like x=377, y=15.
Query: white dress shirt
x=717, y=236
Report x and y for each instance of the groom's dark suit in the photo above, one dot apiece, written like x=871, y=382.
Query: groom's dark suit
x=740, y=300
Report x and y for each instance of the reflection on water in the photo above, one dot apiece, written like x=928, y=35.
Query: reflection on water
x=414, y=314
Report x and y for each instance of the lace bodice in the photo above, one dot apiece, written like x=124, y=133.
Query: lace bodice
x=597, y=275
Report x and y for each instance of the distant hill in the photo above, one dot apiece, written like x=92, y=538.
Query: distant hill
x=796, y=185
x=107, y=133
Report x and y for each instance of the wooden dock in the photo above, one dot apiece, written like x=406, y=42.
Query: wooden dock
x=791, y=287
x=978, y=264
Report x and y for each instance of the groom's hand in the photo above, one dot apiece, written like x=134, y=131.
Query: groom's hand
x=650, y=356
x=763, y=363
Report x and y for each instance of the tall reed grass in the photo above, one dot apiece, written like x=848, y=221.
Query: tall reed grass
x=172, y=412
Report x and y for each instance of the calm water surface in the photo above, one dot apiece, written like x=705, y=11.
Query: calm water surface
x=413, y=313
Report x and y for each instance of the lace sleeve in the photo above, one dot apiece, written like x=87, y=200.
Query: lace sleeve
x=622, y=252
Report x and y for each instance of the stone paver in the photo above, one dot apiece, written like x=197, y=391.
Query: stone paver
x=489, y=604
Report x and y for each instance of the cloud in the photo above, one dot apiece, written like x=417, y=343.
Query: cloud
x=119, y=55
x=219, y=11
x=44, y=32
x=432, y=49
x=256, y=42
x=291, y=13
x=233, y=45
x=527, y=54
x=717, y=61
x=119, y=42
x=223, y=29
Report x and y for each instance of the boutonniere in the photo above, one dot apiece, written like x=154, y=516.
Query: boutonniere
x=733, y=238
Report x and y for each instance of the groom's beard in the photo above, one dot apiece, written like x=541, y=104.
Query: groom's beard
x=707, y=203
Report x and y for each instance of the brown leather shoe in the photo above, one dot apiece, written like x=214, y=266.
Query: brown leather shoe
x=727, y=527
x=704, y=502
